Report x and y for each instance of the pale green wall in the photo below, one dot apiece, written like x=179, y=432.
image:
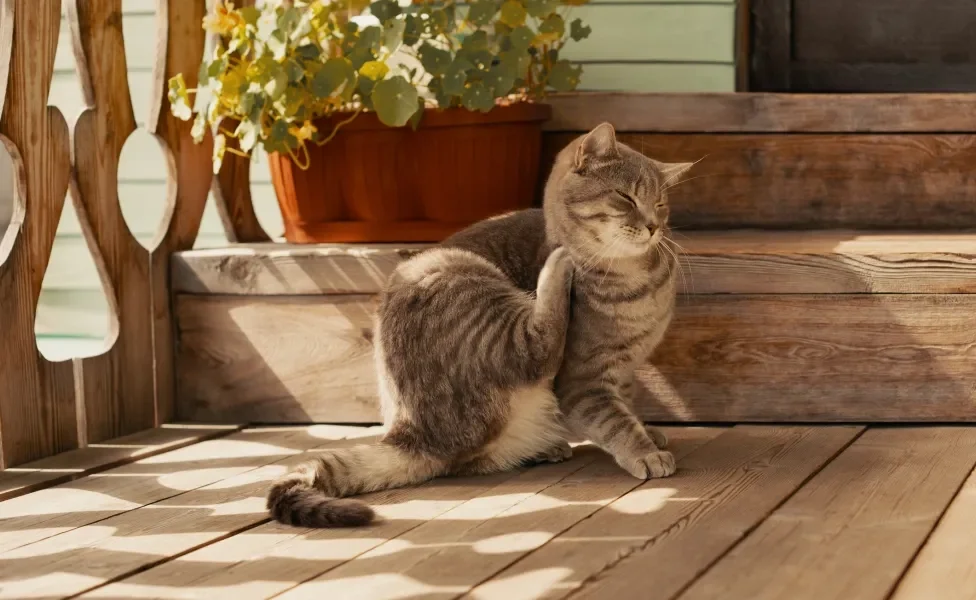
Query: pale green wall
x=674, y=45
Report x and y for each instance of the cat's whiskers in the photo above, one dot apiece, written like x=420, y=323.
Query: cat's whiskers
x=665, y=185
x=680, y=265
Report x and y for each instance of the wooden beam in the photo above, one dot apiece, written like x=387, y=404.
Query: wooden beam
x=765, y=112
x=814, y=181
x=726, y=358
x=719, y=262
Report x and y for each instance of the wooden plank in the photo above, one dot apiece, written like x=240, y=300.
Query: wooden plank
x=193, y=512
x=945, y=562
x=75, y=464
x=727, y=358
x=815, y=358
x=674, y=32
x=743, y=44
x=765, y=112
x=288, y=269
x=861, y=520
x=448, y=556
x=666, y=532
x=658, y=77
x=815, y=181
x=37, y=407
x=914, y=78
x=50, y=512
x=190, y=177
x=232, y=359
x=713, y=262
x=117, y=386
x=139, y=30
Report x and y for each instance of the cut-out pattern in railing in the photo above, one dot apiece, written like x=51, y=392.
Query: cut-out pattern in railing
x=47, y=407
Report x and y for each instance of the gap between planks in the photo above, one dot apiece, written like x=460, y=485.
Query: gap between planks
x=94, y=458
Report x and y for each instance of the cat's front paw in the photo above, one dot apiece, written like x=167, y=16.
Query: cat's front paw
x=652, y=465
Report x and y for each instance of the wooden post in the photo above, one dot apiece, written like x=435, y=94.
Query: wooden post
x=183, y=41
x=37, y=397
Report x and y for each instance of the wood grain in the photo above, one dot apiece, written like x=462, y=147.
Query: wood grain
x=182, y=42
x=471, y=543
x=37, y=405
x=727, y=358
x=860, y=520
x=195, y=512
x=764, y=112
x=274, y=360
x=946, y=562
x=815, y=181
x=118, y=386
x=713, y=262
x=48, y=513
x=817, y=358
x=664, y=533
x=75, y=464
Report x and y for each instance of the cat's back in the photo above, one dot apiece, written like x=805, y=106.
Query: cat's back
x=513, y=242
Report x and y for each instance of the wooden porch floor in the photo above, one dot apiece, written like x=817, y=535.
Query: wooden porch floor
x=754, y=512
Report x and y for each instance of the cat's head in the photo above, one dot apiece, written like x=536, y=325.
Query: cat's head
x=605, y=199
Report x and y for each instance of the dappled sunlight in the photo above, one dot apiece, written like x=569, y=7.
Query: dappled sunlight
x=38, y=587
x=380, y=586
x=57, y=501
x=533, y=584
x=512, y=542
x=194, y=478
x=159, y=544
x=643, y=501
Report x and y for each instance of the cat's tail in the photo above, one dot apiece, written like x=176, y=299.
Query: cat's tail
x=311, y=494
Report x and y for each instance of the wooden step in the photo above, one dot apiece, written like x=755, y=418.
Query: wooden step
x=794, y=161
x=819, y=326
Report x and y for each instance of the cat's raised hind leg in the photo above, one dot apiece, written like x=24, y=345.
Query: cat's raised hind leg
x=550, y=317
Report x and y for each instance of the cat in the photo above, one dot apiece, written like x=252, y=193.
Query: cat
x=477, y=374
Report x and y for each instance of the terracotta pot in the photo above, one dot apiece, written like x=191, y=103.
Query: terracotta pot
x=373, y=183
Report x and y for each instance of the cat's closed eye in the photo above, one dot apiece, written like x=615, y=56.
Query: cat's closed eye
x=627, y=197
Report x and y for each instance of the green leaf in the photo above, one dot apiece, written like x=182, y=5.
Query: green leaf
x=578, y=31
x=500, y=78
x=412, y=28
x=250, y=15
x=220, y=146
x=518, y=61
x=393, y=34
x=199, y=128
x=334, y=73
x=434, y=60
x=374, y=70
x=309, y=51
x=481, y=12
x=277, y=81
x=512, y=13
x=564, y=76
x=541, y=8
x=179, y=98
x=384, y=10
x=247, y=133
x=395, y=101
x=521, y=38
x=370, y=38
x=436, y=87
x=476, y=41
x=554, y=25
x=294, y=70
x=455, y=77
x=288, y=22
x=478, y=97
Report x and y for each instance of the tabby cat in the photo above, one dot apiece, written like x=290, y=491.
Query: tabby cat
x=469, y=358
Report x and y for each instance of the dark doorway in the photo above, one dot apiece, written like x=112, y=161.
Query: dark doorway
x=862, y=45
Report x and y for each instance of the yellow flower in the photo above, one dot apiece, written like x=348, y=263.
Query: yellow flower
x=224, y=18
x=305, y=132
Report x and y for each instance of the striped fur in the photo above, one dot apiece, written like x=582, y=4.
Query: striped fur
x=471, y=336
x=607, y=204
x=466, y=361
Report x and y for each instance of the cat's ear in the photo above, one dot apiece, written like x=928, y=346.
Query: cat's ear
x=598, y=145
x=673, y=172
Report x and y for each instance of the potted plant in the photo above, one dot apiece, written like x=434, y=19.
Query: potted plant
x=401, y=125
